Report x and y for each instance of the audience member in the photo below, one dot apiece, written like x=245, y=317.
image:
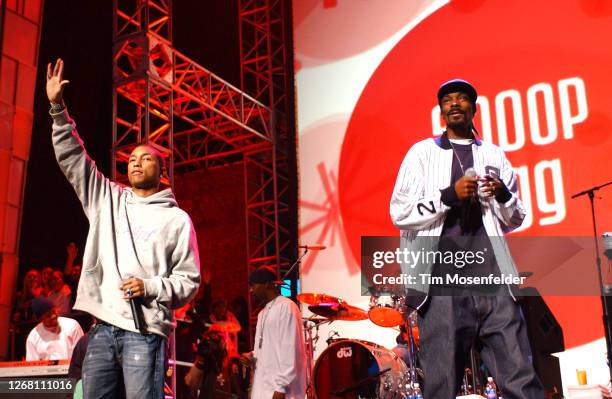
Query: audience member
x=31, y=289
x=53, y=337
x=224, y=322
x=72, y=272
x=240, y=308
x=60, y=293
x=46, y=274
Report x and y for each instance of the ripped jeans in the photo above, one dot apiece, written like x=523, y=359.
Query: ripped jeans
x=122, y=363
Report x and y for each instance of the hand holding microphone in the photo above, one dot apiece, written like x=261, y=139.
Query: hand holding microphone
x=467, y=186
x=133, y=289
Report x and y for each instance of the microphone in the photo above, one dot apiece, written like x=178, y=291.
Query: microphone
x=135, y=314
x=134, y=303
x=467, y=205
x=471, y=172
x=314, y=247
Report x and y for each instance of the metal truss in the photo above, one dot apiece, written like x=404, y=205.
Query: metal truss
x=164, y=98
x=195, y=118
x=265, y=73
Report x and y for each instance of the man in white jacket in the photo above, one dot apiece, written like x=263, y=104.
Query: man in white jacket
x=140, y=247
x=456, y=193
x=279, y=356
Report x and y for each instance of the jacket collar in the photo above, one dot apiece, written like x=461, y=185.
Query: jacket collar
x=443, y=142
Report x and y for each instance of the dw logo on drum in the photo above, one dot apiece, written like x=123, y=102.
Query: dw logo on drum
x=347, y=351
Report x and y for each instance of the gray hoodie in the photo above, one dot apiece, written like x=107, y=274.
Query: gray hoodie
x=129, y=236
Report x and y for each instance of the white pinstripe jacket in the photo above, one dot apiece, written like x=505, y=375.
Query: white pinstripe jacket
x=418, y=211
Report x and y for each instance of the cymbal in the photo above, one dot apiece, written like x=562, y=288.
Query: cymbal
x=316, y=299
x=341, y=311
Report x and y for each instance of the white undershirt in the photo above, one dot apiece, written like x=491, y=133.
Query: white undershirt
x=461, y=141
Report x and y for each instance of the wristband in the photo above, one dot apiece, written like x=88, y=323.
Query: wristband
x=58, y=107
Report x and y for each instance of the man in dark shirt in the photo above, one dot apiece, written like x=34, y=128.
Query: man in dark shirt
x=439, y=193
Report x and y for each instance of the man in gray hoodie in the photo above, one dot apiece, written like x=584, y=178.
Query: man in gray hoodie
x=140, y=247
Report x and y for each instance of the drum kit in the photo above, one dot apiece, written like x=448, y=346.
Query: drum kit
x=356, y=369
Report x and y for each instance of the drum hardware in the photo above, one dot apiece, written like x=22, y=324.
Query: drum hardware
x=310, y=324
x=466, y=388
x=365, y=381
x=316, y=299
x=339, y=311
x=331, y=307
x=387, y=310
x=330, y=337
x=359, y=369
x=410, y=324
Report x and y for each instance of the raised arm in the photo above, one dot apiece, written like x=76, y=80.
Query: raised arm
x=71, y=253
x=80, y=170
x=56, y=82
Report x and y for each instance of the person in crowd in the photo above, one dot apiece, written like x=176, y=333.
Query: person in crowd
x=240, y=308
x=224, y=322
x=72, y=272
x=46, y=274
x=32, y=288
x=206, y=376
x=54, y=337
x=60, y=293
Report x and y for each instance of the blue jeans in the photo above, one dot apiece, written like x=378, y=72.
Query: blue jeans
x=449, y=325
x=120, y=362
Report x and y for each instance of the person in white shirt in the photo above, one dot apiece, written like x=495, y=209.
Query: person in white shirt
x=54, y=337
x=279, y=356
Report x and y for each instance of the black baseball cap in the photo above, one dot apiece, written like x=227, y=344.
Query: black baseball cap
x=41, y=305
x=263, y=275
x=458, y=85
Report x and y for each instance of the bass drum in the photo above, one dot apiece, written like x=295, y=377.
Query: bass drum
x=355, y=369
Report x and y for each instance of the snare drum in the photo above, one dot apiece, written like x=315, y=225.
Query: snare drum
x=353, y=369
x=387, y=310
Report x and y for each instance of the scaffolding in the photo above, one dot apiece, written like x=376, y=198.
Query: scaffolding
x=198, y=120
x=266, y=73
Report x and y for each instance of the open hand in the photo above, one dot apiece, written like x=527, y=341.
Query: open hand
x=55, y=84
x=71, y=251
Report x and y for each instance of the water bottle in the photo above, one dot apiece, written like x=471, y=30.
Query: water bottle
x=416, y=392
x=491, y=389
x=407, y=392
